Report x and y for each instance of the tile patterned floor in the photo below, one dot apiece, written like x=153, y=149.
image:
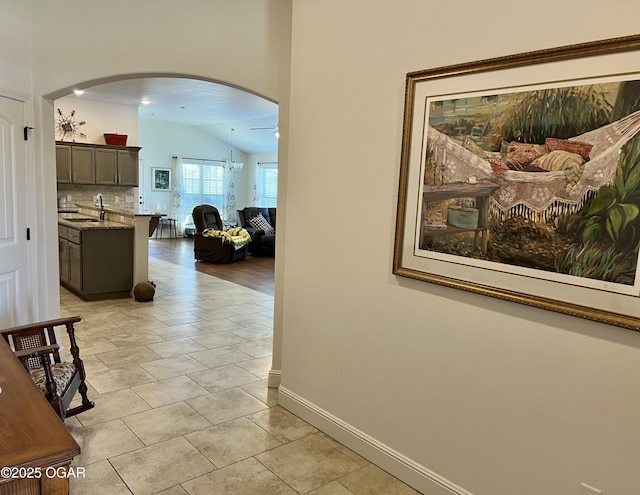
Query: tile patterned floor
x=182, y=404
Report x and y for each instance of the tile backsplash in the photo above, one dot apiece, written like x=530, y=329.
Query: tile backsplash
x=121, y=197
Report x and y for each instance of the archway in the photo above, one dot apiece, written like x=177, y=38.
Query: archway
x=244, y=124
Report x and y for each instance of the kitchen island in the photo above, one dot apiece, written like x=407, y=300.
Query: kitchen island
x=103, y=258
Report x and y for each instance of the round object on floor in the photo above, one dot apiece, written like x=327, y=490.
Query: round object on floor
x=144, y=291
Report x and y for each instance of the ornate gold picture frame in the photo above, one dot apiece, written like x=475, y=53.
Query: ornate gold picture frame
x=520, y=179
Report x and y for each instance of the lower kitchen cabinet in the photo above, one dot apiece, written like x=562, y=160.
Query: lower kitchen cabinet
x=96, y=263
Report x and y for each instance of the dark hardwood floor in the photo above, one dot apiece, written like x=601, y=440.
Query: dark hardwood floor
x=255, y=272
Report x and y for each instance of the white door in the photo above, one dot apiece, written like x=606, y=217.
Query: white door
x=14, y=256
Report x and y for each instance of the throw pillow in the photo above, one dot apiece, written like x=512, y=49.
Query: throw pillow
x=259, y=222
x=519, y=155
x=571, y=163
x=558, y=160
x=579, y=147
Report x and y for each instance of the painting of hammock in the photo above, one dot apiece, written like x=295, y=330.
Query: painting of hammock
x=520, y=180
x=562, y=165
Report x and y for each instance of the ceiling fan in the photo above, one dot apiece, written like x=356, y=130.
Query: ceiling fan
x=273, y=128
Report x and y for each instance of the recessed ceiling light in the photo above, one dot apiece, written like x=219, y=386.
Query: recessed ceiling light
x=144, y=101
x=78, y=92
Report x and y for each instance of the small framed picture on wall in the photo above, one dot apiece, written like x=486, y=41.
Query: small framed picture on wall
x=161, y=179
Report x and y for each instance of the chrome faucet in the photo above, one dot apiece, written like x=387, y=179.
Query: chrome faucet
x=100, y=204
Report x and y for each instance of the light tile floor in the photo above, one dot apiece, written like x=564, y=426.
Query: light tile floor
x=182, y=404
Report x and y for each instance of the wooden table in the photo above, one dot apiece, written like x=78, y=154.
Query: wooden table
x=481, y=191
x=33, y=440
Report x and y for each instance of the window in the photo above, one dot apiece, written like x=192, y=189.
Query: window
x=202, y=183
x=267, y=184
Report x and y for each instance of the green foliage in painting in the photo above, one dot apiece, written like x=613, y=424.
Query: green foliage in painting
x=594, y=260
x=612, y=215
x=608, y=225
x=558, y=112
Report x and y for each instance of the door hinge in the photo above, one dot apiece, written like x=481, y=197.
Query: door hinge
x=26, y=132
x=28, y=234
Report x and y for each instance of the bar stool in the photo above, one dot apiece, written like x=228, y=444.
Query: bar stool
x=169, y=223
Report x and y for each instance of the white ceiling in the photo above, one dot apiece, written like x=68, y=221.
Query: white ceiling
x=213, y=107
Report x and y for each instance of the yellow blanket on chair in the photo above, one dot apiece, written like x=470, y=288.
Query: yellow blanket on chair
x=236, y=236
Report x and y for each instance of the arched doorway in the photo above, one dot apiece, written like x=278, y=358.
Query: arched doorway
x=251, y=117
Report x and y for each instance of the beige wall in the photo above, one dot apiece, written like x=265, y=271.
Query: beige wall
x=494, y=397
x=235, y=42
x=15, y=48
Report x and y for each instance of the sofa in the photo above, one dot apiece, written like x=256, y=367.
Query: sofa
x=212, y=249
x=263, y=240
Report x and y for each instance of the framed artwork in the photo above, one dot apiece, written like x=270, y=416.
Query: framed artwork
x=161, y=179
x=520, y=179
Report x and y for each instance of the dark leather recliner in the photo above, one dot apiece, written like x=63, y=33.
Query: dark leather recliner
x=262, y=244
x=212, y=249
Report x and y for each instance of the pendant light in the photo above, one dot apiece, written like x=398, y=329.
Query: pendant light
x=232, y=166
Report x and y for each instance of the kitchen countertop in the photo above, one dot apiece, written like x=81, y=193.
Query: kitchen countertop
x=115, y=210
x=115, y=218
x=72, y=220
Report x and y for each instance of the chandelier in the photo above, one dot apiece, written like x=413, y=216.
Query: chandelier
x=230, y=165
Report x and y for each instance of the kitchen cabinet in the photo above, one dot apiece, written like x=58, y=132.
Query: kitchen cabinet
x=70, y=257
x=63, y=257
x=96, y=263
x=106, y=165
x=74, y=164
x=84, y=163
x=63, y=164
x=128, y=167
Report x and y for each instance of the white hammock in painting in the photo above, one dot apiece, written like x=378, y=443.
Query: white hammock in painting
x=538, y=195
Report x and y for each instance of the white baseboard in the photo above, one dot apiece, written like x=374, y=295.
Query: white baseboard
x=275, y=377
x=400, y=466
